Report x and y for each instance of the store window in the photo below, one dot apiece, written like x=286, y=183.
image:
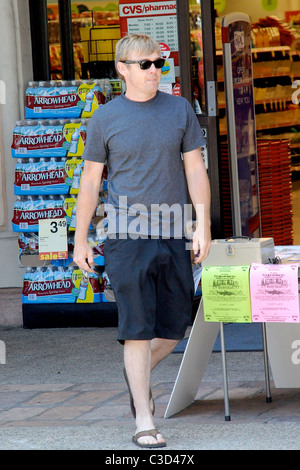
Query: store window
x=184, y=30
x=275, y=37
x=95, y=30
x=98, y=25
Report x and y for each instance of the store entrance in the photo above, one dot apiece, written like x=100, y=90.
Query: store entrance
x=95, y=27
x=275, y=38
x=196, y=20
x=81, y=40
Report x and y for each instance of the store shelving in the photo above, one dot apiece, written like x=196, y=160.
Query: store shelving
x=273, y=120
x=274, y=71
x=274, y=168
x=48, y=147
x=278, y=143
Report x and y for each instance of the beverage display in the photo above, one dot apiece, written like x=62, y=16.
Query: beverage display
x=28, y=243
x=83, y=286
x=48, y=146
x=107, y=294
x=49, y=138
x=48, y=176
x=66, y=99
x=28, y=210
x=53, y=284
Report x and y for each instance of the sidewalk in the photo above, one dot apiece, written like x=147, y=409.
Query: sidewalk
x=64, y=389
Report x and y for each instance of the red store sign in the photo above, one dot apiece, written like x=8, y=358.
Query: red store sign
x=155, y=18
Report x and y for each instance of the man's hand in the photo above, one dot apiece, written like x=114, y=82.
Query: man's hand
x=201, y=243
x=199, y=189
x=83, y=257
x=86, y=204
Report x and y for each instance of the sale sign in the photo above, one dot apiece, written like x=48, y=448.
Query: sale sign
x=53, y=239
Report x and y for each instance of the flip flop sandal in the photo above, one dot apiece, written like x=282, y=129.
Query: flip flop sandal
x=132, y=407
x=150, y=432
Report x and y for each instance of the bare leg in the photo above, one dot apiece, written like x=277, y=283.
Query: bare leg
x=161, y=348
x=137, y=358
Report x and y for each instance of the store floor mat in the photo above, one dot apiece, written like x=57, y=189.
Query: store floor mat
x=238, y=337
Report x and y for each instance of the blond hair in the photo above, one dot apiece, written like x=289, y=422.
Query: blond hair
x=140, y=43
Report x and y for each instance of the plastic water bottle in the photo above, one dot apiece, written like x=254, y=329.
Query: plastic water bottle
x=89, y=101
x=83, y=287
x=73, y=218
x=76, y=177
x=74, y=141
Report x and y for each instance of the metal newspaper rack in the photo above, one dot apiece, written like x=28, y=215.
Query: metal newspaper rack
x=98, y=47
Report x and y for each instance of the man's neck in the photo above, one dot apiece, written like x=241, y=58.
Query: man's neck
x=133, y=95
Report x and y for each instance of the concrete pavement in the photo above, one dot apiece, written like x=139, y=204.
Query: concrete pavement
x=63, y=389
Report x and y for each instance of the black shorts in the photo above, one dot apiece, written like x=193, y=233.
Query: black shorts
x=153, y=284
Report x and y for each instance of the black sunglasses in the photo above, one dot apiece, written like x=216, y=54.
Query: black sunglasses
x=146, y=64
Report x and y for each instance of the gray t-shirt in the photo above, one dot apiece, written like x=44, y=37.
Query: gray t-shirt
x=141, y=143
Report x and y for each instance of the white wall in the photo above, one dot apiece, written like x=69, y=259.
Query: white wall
x=15, y=72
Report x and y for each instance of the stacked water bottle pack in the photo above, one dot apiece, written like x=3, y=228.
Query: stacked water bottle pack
x=48, y=146
x=59, y=284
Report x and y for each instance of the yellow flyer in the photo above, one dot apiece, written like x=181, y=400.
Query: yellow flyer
x=226, y=294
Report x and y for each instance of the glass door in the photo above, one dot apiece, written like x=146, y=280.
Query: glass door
x=198, y=80
x=186, y=30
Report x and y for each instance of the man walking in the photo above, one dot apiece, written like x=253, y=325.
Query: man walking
x=151, y=142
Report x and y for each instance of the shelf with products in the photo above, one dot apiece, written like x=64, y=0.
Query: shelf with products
x=277, y=117
x=276, y=66
x=55, y=60
x=273, y=98
x=273, y=120
x=84, y=23
x=275, y=69
x=292, y=135
x=268, y=62
x=256, y=50
x=47, y=147
x=275, y=188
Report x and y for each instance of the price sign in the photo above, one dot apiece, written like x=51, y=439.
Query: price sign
x=53, y=243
